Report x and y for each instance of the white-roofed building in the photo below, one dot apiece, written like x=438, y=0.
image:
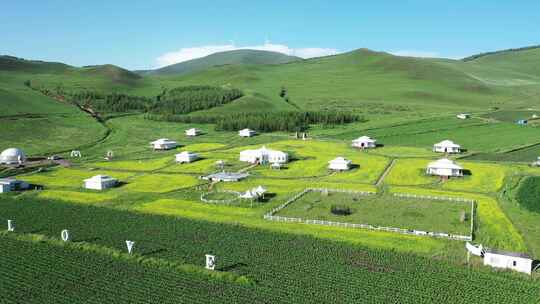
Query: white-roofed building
x=12, y=156
x=11, y=184
x=444, y=167
x=339, y=164
x=446, y=146
x=509, y=260
x=463, y=116
x=537, y=162
x=364, y=142
x=246, y=133
x=193, y=132
x=186, y=157
x=264, y=156
x=100, y=182
x=164, y=144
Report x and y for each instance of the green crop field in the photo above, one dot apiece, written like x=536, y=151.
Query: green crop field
x=407, y=104
x=263, y=258
x=383, y=210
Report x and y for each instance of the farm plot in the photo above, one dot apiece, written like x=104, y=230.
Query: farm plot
x=310, y=159
x=159, y=183
x=134, y=165
x=69, y=178
x=526, y=155
x=490, y=137
x=383, y=210
x=484, y=178
x=277, y=262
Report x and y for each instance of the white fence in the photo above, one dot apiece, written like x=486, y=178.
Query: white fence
x=228, y=201
x=435, y=198
x=271, y=217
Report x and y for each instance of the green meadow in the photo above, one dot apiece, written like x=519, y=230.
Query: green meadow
x=406, y=104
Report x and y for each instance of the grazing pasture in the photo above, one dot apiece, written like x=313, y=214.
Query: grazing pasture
x=383, y=210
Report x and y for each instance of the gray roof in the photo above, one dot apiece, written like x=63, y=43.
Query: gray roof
x=508, y=253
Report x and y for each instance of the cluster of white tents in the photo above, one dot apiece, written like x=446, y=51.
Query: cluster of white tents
x=254, y=194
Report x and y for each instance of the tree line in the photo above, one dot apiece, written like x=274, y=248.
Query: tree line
x=265, y=122
x=180, y=100
x=188, y=99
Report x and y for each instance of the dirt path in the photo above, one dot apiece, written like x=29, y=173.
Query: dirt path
x=385, y=173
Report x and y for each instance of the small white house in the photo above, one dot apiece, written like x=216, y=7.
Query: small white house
x=339, y=164
x=446, y=146
x=537, y=162
x=193, y=132
x=509, y=260
x=164, y=144
x=444, y=167
x=264, y=156
x=364, y=142
x=463, y=116
x=246, y=133
x=11, y=184
x=186, y=157
x=12, y=156
x=100, y=182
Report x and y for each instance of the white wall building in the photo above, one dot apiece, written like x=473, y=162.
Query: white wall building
x=264, y=156
x=193, y=132
x=444, y=167
x=509, y=260
x=246, y=133
x=339, y=164
x=463, y=115
x=164, y=144
x=186, y=157
x=446, y=146
x=364, y=142
x=11, y=184
x=12, y=156
x=100, y=182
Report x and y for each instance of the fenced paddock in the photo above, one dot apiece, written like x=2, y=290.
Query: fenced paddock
x=434, y=200
x=204, y=197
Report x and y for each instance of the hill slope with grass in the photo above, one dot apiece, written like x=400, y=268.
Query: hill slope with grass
x=223, y=58
x=360, y=81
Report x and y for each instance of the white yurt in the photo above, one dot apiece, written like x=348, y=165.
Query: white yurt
x=12, y=156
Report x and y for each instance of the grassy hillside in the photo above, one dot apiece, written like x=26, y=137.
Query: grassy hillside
x=357, y=81
x=223, y=58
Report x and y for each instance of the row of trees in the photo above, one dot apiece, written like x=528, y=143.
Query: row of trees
x=265, y=122
x=181, y=100
x=188, y=99
x=113, y=102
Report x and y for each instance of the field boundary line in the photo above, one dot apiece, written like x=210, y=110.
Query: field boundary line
x=272, y=217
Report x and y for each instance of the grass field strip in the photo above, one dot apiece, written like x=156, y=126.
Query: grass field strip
x=270, y=215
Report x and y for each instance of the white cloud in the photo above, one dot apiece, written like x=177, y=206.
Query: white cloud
x=185, y=54
x=416, y=53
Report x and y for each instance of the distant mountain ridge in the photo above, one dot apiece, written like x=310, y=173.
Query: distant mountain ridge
x=223, y=58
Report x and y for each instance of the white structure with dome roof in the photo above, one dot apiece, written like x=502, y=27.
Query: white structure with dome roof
x=12, y=156
x=339, y=164
x=444, y=167
x=264, y=156
x=364, y=142
x=446, y=146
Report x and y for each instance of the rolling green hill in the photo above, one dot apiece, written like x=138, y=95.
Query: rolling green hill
x=223, y=58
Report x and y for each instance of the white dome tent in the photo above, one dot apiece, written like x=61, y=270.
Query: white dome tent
x=12, y=156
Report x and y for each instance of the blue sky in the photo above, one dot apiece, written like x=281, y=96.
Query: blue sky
x=146, y=34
